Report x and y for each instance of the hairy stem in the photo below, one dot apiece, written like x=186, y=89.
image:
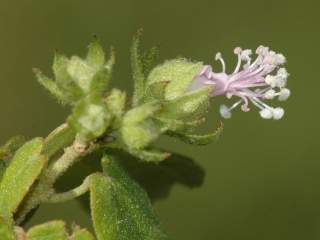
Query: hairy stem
x=44, y=188
x=71, y=155
x=73, y=193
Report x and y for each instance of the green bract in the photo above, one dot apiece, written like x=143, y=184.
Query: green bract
x=169, y=83
x=90, y=117
x=177, y=73
x=76, y=78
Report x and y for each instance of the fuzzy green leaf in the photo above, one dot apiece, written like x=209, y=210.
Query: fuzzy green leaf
x=50, y=85
x=141, y=135
x=138, y=129
x=179, y=72
x=6, y=232
x=9, y=148
x=103, y=71
x=198, y=139
x=23, y=170
x=81, y=234
x=141, y=113
x=150, y=155
x=90, y=117
x=189, y=106
x=96, y=55
x=60, y=138
x=54, y=230
x=71, y=91
x=2, y=168
x=116, y=103
x=156, y=91
x=149, y=59
x=121, y=209
x=81, y=73
x=180, y=125
x=137, y=71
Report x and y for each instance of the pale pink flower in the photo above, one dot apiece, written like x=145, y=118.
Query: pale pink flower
x=251, y=81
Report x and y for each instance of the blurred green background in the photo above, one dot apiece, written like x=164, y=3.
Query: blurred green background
x=262, y=177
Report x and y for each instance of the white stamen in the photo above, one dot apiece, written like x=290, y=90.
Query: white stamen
x=266, y=113
x=219, y=58
x=270, y=94
x=277, y=113
x=238, y=51
x=284, y=94
x=225, y=112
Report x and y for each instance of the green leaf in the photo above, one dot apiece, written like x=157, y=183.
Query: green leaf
x=179, y=125
x=99, y=83
x=149, y=59
x=179, y=72
x=2, y=168
x=137, y=71
x=138, y=129
x=198, y=139
x=6, y=232
x=189, y=106
x=141, y=113
x=116, y=103
x=96, y=55
x=140, y=135
x=156, y=91
x=60, y=138
x=7, y=151
x=71, y=91
x=120, y=208
x=19, y=176
x=54, y=230
x=90, y=117
x=150, y=155
x=9, y=148
x=50, y=85
x=81, y=73
x=81, y=234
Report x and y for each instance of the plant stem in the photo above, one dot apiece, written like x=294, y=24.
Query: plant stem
x=44, y=189
x=71, y=154
x=76, y=192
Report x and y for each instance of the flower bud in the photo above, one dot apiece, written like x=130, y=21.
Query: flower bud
x=172, y=83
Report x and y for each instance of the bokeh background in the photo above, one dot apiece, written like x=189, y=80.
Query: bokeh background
x=262, y=177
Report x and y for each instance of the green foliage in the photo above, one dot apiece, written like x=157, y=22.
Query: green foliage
x=179, y=73
x=198, y=139
x=138, y=129
x=23, y=170
x=141, y=64
x=188, y=107
x=150, y=154
x=6, y=232
x=54, y=230
x=90, y=117
x=7, y=151
x=58, y=139
x=81, y=234
x=9, y=148
x=76, y=78
x=120, y=207
x=116, y=103
x=162, y=103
